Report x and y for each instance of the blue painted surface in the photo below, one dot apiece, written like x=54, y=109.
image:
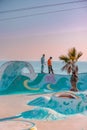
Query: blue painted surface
x=14, y=81
x=62, y=105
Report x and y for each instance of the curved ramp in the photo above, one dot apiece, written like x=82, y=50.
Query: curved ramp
x=9, y=71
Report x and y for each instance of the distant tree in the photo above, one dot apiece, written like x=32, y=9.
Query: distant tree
x=70, y=66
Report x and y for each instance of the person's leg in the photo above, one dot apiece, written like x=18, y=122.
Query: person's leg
x=42, y=68
x=51, y=69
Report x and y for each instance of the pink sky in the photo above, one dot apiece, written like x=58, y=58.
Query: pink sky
x=52, y=34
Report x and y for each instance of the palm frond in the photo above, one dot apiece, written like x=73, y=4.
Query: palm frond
x=72, y=54
x=79, y=55
x=77, y=69
x=64, y=67
x=67, y=67
x=70, y=61
x=69, y=70
x=64, y=58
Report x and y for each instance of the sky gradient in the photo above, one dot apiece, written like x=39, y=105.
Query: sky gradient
x=53, y=33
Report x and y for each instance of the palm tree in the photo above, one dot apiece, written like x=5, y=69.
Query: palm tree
x=70, y=66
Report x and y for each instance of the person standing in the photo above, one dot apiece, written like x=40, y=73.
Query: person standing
x=42, y=63
x=49, y=63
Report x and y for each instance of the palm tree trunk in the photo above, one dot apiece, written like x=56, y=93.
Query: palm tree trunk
x=74, y=87
x=74, y=79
